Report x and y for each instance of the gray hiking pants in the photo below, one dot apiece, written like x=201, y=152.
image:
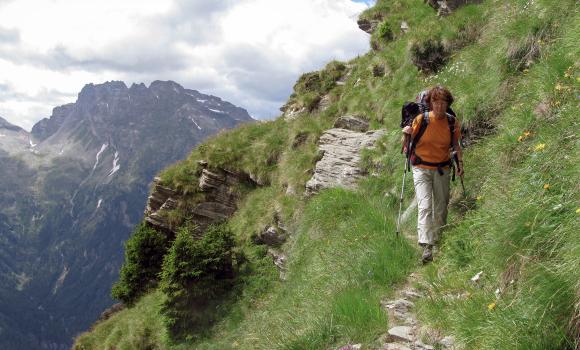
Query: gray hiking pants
x=432, y=191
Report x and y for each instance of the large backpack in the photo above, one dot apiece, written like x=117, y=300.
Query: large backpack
x=409, y=112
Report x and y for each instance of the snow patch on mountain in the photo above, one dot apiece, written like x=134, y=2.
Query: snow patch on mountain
x=103, y=147
x=191, y=118
x=116, y=166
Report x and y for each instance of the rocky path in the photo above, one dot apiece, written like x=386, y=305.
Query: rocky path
x=405, y=331
x=338, y=167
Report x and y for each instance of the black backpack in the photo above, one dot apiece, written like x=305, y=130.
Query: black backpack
x=409, y=112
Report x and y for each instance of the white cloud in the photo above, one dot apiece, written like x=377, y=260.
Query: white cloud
x=249, y=52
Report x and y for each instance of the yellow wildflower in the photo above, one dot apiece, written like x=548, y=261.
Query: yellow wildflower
x=527, y=133
x=520, y=139
x=578, y=79
x=491, y=306
x=546, y=186
x=540, y=147
x=478, y=198
x=578, y=211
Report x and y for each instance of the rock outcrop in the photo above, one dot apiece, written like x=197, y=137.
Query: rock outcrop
x=340, y=154
x=161, y=200
x=274, y=234
x=351, y=122
x=368, y=25
x=445, y=7
x=219, y=200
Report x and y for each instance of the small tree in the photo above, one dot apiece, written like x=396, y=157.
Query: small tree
x=144, y=253
x=195, y=273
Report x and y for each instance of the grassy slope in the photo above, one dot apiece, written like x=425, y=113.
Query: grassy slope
x=343, y=256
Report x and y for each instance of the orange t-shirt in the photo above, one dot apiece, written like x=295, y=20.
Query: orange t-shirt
x=433, y=146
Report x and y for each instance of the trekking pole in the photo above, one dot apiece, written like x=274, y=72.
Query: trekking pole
x=456, y=159
x=408, y=143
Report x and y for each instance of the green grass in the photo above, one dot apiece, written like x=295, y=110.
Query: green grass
x=343, y=256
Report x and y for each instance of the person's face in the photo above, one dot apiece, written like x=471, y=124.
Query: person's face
x=439, y=106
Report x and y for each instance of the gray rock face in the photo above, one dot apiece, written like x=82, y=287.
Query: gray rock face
x=368, y=25
x=353, y=123
x=271, y=236
x=162, y=199
x=340, y=150
x=220, y=198
x=445, y=7
x=47, y=127
x=404, y=333
x=279, y=260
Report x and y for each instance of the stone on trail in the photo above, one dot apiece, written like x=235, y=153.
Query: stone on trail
x=447, y=342
x=419, y=345
x=412, y=294
x=404, y=333
x=396, y=346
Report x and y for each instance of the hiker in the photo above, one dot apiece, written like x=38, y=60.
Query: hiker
x=431, y=160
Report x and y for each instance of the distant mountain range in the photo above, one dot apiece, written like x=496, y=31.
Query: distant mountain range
x=71, y=192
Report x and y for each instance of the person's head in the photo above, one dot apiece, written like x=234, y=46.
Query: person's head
x=438, y=99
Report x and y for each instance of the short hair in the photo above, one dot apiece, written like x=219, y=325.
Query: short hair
x=439, y=92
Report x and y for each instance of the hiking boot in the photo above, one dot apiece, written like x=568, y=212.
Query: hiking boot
x=427, y=254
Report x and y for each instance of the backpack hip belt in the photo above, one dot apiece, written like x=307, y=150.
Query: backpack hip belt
x=416, y=160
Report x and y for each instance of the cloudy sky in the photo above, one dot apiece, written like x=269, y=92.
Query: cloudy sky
x=249, y=52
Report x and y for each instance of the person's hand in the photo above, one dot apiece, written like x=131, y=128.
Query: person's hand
x=408, y=130
x=460, y=169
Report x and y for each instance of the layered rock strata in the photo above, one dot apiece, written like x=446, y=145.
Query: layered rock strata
x=219, y=188
x=340, y=150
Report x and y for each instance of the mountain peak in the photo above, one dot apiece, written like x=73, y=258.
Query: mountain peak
x=168, y=85
x=94, y=91
x=4, y=124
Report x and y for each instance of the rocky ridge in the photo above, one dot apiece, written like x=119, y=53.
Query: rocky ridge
x=74, y=188
x=218, y=187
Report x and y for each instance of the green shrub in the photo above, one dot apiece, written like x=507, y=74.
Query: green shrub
x=196, y=272
x=382, y=35
x=143, y=258
x=307, y=82
x=429, y=55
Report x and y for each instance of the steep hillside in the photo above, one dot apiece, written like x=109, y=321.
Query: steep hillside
x=311, y=269
x=71, y=192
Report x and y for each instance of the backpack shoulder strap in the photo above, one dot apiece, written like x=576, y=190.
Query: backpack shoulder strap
x=422, y=127
x=451, y=122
